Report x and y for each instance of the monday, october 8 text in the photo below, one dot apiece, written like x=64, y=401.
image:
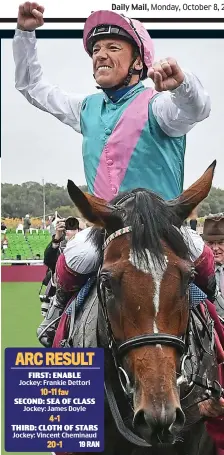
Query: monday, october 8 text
x=167, y=7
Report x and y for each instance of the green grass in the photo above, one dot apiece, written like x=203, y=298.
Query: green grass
x=20, y=319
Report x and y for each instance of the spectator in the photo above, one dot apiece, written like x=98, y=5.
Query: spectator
x=59, y=240
x=3, y=227
x=26, y=224
x=193, y=224
x=193, y=220
x=213, y=234
x=4, y=244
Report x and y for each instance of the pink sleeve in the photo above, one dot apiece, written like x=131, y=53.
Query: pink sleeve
x=204, y=266
x=66, y=278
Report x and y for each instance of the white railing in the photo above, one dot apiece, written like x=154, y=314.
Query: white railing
x=23, y=261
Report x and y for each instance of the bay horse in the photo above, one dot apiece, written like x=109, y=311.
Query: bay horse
x=159, y=355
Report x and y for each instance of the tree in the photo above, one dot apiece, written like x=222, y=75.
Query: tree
x=18, y=200
x=214, y=203
x=204, y=209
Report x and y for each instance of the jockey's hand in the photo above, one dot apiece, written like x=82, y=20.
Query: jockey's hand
x=60, y=229
x=212, y=408
x=30, y=16
x=166, y=74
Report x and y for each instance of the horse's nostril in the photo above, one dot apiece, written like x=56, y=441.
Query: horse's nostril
x=153, y=429
x=158, y=429
x=139, y=420
x=141, y=426
x=178, y=422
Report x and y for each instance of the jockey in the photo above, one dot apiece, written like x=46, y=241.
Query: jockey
x=133, y=136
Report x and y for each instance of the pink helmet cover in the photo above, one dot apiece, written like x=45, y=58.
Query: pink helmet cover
x=135, y=29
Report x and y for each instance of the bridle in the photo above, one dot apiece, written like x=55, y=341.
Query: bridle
x=118, y=350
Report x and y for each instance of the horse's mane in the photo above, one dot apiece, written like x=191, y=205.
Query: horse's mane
x=152, y=221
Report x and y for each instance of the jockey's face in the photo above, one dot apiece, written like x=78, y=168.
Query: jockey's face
x=218, y=251
x=111, y=61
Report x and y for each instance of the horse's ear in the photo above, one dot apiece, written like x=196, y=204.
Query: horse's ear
x=196, y=193
x=95, y=210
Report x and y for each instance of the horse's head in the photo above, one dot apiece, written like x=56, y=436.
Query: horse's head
x=145, y=274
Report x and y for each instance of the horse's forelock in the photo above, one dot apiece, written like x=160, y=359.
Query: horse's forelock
x=151, y=219
x=152, y=226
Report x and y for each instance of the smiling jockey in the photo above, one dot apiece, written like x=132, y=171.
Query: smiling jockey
x=133, y=136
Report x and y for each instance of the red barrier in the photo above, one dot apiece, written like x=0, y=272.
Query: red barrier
x=23, y=273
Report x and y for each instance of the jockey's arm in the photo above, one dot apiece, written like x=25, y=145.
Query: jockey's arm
x=178, y=111
x=29, y=81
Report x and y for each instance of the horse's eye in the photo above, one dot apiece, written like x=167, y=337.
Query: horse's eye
x=105, y=279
